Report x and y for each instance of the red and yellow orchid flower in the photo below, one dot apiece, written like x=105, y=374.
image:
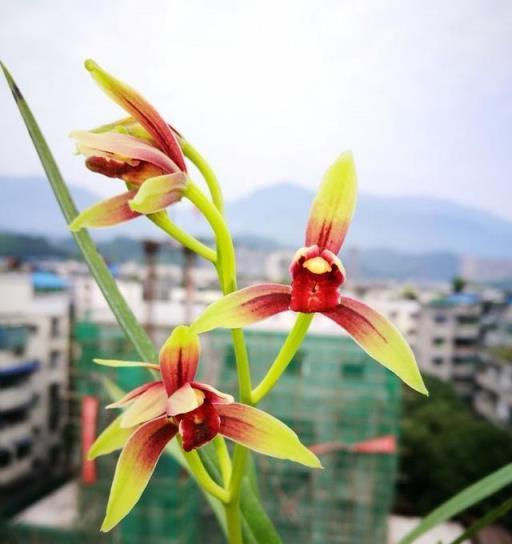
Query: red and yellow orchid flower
x=178, y=405
x=142, y=150
x=317, y=274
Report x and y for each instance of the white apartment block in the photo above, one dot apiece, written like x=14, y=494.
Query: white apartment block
x=448, y=343
x=34, y=374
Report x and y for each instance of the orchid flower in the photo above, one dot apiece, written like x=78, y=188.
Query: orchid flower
x=317, y=275
x=176, y=404
x=142, y=150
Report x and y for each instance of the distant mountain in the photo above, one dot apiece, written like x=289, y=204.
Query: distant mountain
x=279, y=212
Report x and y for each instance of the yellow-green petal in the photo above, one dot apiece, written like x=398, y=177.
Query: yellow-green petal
x=155, y=194
x=120, y=364
x=135, y=467
x=263, y=433
x=380, y=339
x=111, y=439
x=106, y=213
x=244, y=307
x=333, y=206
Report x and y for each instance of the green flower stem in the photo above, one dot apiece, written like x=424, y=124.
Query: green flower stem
x=203, y=478
x=233, y=507
x=206, y=171
x=162, y=220
x=224, y=458
x=225, y=249
x=284, y=357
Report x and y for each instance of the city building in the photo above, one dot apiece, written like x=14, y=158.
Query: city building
x=34, y=374
x=493, y=396
x=449, y=336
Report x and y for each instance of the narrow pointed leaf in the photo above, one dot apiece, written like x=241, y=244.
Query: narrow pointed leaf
x=106, y=213
x=145, y=113
x=112, y=438
x=263, y=433
x=135, y=467
x=114, y=363
x=133, y=330
x=380, y=339
x=461, y=501
x=244, y=307
x=179, y=357
x=155, y=194
x=333, y=206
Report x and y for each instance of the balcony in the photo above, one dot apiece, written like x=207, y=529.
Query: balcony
x=13, y=337
x=16, y=396
x=15, y=370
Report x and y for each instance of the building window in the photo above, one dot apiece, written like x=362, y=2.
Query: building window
x=440, y=318
x=467, y=319
x=438, y=361
x=5, y=458
x=465, y=342
x=55, y=359
x=438, y=341
x=23, y=449
x=55, y=327
x=53, y=406
x=352, y=371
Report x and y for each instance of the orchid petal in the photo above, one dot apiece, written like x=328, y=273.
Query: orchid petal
x=213, y=395
x=263, y=433
x=106, y=213
x=132, y=395
x=198, y=427
x=112, y=438
x=122, y=146
x=333, y=205
x=185, y=399
x=135, y=467
x=155, y=194
x=380, y=339
x=150, y=404
x=178, y=358
x=141, y=110
x=244, y=307
x=119, y=364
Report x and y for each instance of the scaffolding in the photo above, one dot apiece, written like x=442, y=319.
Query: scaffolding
x=333, y=395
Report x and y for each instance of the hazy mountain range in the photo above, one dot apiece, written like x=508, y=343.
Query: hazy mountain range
x=279, y=212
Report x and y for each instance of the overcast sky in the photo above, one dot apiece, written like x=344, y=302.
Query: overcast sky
x=273, y=90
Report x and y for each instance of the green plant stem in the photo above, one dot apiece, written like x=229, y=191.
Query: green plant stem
x=163, y=221
x=224, y=458
x=206, y=171
x=284, y=357
x=204, y=479
x=225, y=250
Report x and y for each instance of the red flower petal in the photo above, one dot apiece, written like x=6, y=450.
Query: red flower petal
x=316, y=278
x=178, y=358
x=199, y=426
x=144, y=112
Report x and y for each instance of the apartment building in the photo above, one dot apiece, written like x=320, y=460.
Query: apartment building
x=34, y=354
x=448, y=343
x=493, y=396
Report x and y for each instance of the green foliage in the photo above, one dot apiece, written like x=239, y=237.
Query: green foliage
x=445, y=448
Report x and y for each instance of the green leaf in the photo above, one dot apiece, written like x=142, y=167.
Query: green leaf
x=97, y=266
x=489, y=518
x=460, y=502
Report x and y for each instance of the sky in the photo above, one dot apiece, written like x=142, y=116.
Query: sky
x=274, y=90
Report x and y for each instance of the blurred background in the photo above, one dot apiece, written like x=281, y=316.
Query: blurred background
x=270, y=92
